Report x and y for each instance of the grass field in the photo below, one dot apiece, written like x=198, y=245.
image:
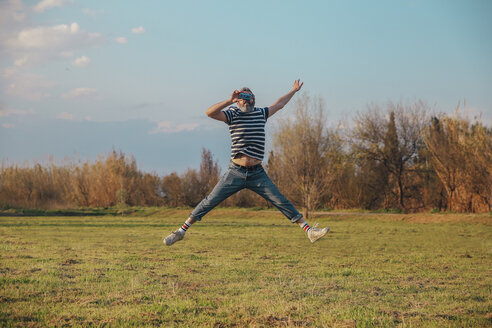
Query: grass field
x=246, y=268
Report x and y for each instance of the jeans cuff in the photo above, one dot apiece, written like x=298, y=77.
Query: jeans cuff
x=296, y=218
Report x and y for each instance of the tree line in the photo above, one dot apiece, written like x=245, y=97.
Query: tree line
x=396, y=157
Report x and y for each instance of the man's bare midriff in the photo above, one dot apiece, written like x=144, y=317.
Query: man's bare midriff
x=245, y=160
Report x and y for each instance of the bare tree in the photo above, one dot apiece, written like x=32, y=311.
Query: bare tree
x=301, y=152
x=461, y=154
x=391, y=139
x=172, y=186
x=190, y=182
x=209, y=173
x=81, y=185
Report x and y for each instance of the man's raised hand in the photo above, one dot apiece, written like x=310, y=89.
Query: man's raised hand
x=297, y=85
x=235, y=96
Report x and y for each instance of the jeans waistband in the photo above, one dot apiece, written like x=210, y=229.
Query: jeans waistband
x=247, y=168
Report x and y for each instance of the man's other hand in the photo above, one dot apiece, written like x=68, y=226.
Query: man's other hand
x=297, y=85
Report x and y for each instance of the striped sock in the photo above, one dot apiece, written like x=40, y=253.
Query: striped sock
x=185, y=226
x=306, y=227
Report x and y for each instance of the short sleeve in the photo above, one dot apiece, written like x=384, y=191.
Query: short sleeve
x=265, y=113
x=229, y=114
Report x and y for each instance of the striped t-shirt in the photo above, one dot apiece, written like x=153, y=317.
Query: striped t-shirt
x=247, y=131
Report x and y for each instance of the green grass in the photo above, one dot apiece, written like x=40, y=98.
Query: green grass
x=246, y=268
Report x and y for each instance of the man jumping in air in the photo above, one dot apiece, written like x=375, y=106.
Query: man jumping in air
x=247, y=127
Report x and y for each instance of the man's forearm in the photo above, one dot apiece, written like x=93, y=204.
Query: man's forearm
x=215, y=109
x=282, y=101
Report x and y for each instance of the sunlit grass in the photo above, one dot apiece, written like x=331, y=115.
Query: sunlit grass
x=246, y=268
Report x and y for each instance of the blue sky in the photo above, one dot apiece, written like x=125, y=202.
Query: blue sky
x=80, y=78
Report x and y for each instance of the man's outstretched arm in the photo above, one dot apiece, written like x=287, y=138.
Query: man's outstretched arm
x=282, y=101
x=215, y=111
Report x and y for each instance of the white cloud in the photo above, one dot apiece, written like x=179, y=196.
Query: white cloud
x=12, y=11
x=30, y=86
x=138, y=30
x=16, y=115
x=10, y=71
x=42, y=37
x=47, y=4
x=81, y=93
x=28, y=46
x=14, y=112
x=12, y=19
x=81, y=61
x=121, y=40
x=19, y=17
x=66, y=116
x=21, y=61
x=34, y=46
x=168, y=127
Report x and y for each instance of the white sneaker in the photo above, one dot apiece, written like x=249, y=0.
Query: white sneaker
x=174, y=237
x=316, y=233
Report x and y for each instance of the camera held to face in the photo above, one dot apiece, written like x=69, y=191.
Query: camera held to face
x=245, y=96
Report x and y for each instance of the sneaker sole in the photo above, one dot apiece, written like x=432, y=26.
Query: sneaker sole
x=165, y=243
x=172, y=243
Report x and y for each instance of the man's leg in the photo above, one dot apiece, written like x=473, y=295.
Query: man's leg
x=230, y=183
x=265, y=187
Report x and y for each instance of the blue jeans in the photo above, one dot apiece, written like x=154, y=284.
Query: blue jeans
x=239, y=177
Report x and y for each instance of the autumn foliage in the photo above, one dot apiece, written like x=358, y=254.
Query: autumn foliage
x=397, y=157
